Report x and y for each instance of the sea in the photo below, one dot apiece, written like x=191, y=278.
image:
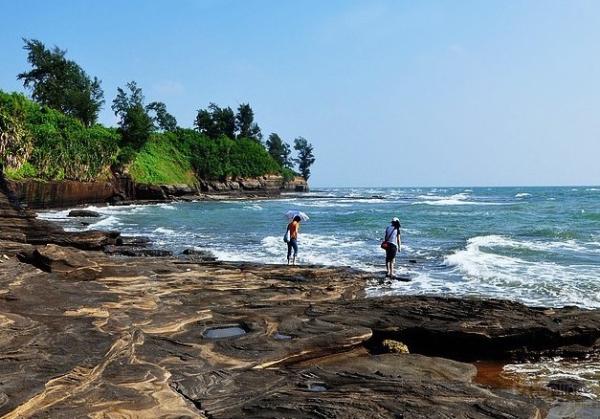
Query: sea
x=536, y=245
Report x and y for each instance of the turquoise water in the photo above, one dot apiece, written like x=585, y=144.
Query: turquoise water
x=540, y=246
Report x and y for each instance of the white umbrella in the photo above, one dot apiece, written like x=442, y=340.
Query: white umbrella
x=293, y=213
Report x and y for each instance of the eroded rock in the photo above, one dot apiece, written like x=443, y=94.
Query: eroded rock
x=83, y=213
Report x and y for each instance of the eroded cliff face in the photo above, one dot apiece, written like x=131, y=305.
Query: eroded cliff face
x=268, y=184
x=37, y=194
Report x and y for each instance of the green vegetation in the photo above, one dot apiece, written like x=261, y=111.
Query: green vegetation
x=305, y=158
x=55, y=136
x=160, y=161
x=44, y=143
x=216, y=122
x=279, y=150
x=176, y=157
x=60, y=83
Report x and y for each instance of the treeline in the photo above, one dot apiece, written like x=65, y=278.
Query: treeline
x=56, y=136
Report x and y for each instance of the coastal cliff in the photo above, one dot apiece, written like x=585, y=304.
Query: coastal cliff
x=36, y=194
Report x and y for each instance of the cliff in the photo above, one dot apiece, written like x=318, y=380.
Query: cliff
x=37, y=194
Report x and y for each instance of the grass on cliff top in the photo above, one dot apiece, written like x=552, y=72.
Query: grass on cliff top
x=160, y=162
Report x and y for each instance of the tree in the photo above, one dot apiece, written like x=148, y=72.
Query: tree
x=60, y=83
x=226, y=122
x=246, y=127
x=215, y=122
x=305, y=157
x=279, y=150
x=163, y=119
x=135, y=124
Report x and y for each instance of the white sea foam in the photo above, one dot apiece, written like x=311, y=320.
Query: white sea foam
x=538, y=283
x=53, y=215
x=462, y=198
x=522, y=195
x=166, y=206
x=541, y=372
x=105, y=224
x=324, y=204
x=493, y=240
x=164, y=231
x=313, y=249
x=254, y=207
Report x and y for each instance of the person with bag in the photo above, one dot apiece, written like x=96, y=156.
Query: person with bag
x=391, y=245
x=291, y=238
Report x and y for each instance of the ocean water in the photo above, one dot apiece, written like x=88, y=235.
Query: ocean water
x=540, y=246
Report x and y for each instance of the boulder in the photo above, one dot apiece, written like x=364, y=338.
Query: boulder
x=66, y=262
x=567, y=385
x=149, y=192
x=199, y=255
x=83, y=213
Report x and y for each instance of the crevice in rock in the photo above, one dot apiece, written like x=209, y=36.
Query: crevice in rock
x=196, y=403
x=469, y=347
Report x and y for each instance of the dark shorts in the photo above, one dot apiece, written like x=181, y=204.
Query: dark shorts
x=390, y=252
x=292, y=245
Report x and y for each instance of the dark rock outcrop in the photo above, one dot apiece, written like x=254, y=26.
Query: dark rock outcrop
x=130, y=334
x=83, y=213
x=149, y=192
x=18, y=224
x=199, y=255
x=567, y=385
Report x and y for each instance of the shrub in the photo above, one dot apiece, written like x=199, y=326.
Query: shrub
x=62, y=147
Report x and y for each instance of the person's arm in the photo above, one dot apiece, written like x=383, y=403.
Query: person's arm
x=398, y=239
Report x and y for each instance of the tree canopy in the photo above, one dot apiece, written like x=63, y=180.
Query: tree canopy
x=164, y=120
x=279, y=150
x=135, y=124
x=246, y=127
x=60, y=83
x=215, y=122
x=305, y=157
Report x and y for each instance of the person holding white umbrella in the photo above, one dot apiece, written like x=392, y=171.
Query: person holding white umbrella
x=291, y=234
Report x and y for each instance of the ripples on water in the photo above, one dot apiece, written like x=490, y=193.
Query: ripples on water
x=540, y=246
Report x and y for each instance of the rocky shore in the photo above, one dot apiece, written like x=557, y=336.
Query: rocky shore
x=88, y=334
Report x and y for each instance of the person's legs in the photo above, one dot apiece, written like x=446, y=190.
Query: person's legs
x=388, y=271
x=294, y=244
x=390, y=259
x=289, y=252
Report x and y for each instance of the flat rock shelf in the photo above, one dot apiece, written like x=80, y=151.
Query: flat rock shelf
x=83, y=334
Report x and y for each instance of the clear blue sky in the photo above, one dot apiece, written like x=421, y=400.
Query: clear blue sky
x=391, y=93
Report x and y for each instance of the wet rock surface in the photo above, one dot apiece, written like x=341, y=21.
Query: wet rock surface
x=83, y=213
x=98, y=334
x=567, y=385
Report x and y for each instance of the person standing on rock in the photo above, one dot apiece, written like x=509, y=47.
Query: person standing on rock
x=292, y=242
x=391, y=245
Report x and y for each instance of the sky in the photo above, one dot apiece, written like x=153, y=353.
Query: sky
x=390, y=93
